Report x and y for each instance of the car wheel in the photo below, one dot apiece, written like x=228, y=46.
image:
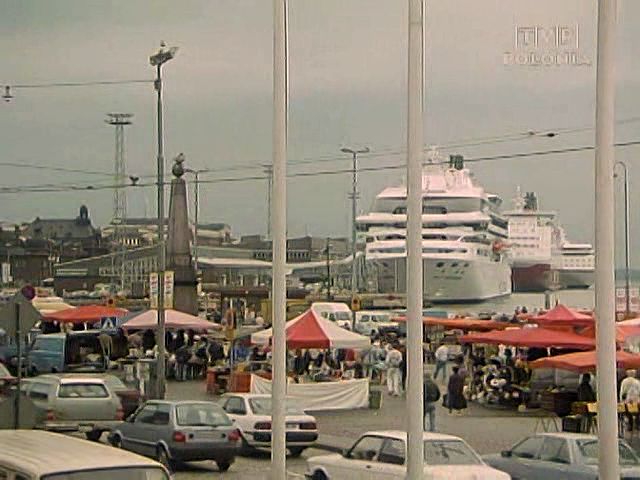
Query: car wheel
x=163, y=457
x=246, y=449
x=116, y=441
x=93, y=435
x=318, y=475
x=223, y=465
x=296, y=451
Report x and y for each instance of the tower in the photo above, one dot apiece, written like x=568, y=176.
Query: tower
x=119, y=120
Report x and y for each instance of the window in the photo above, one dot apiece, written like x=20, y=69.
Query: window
x=392, y=452
x=82, y=390
x=555, y=450
x=528, y=448
x=49, y=344
x=449, y=452
x=201, y=414
x=262, y=406
x=147, y=414
x=235, y=405
x=39, y=391
x=589, y=451
x=366, y=448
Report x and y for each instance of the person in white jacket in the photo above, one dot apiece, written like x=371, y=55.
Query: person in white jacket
x=630, y=388
x=394, y=376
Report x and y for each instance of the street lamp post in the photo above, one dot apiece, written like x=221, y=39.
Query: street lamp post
x=354, y=199
x=196, y=213
x=157, y=60
x=627, y=260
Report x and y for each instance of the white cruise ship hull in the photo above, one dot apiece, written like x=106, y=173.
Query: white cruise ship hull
x=447, y=280
x=574, y=278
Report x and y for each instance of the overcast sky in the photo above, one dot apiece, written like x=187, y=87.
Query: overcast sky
x=347, y=87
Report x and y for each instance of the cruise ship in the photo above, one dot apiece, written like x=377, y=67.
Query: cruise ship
x=463, y=238
x=542, y=257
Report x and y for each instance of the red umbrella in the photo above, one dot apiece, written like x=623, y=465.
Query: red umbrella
x=531, y=337
x=562, y=316
x=85, y=314
x=466, y=324
x=623, y=332
x=582, y=362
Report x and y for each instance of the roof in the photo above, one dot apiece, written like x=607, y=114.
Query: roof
x=41, y=453
x=572, y=436
x=401, y=435
x=67, y=378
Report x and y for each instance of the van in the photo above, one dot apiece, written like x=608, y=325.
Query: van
x=66, y=352
x=334, y=311
x=38, y=455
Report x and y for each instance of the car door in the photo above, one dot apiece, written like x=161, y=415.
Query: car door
x=554, y=459
x=523, y=460
x=138, y=433
x=360, y=462
x=236, y=408
x=391, y=460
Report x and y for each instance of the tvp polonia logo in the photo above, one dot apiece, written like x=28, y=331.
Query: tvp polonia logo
x=554, y=46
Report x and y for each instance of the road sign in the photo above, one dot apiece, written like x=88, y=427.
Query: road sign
x=153, y=290
x=168, y=289
x=108, y=323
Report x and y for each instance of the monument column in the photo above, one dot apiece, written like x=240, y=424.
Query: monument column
x=178, y=244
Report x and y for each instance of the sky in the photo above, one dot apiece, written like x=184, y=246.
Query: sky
x=347, y=72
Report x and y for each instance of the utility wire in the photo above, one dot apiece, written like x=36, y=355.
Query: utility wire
x=75, y=84
x=66, y=188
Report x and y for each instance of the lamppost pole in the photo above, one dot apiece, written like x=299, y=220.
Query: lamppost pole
x=354, y=206
x=627, y=259
x=157, y=60
x=196, y=213
x=608, y=466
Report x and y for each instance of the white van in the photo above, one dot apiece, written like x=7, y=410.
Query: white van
x=38, y=455
x=334, y=311
x=374, y=322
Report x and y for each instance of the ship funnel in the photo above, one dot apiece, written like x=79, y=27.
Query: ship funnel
x=456, y=161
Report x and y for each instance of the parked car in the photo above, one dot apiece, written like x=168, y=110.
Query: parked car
x=130, y=398
x=37, y=455
x=571, y=456
x=375, y=322
x=252, y=414
x=75, y=403
x=381, y=455
x=175, y=432
x=334, y=311
x=66, y=352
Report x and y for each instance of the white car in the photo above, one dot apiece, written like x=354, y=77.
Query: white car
x=372, y=323
x=334, y=311
x=381, y=455
x=251, y=413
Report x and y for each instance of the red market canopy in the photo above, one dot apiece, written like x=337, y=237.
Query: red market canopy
x=173, y=320
x=466, y=324
x=623, y=332
x=583, y=362
x=531, y=337
x=310, y=330
x=85, y=314
x=562, y=316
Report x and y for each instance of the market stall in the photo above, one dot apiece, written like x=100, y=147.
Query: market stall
x=173, y=320
x=311, y=331
x=563, y=317
x=584, y=362
x=85, y=316
x=532, y=337
x=338, y=395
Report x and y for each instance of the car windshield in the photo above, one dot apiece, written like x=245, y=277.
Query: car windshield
x=343, y=315
x=449, y=452
x=589, y=451
x=201, y=415
x=262, y=406
x=82, y=390
x=131, y=473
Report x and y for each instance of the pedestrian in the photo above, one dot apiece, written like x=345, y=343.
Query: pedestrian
x=585, y=391
x=394, y=376
x=630, y=388
x=455, y=392
x=403, y=367
x=441, y=355
x=431, y=394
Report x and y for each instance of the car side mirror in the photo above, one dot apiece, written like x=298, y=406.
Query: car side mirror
x=506, y=453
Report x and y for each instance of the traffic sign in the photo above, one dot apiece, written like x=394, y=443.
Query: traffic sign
x=153, y=290
x=108, y=323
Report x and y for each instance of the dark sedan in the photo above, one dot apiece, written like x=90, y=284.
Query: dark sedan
x=176, y=432
x=566, y=456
